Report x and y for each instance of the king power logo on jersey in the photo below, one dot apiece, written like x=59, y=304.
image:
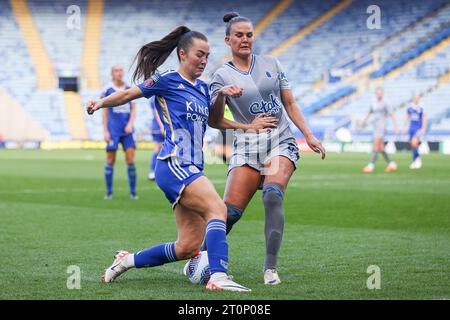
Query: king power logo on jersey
x=269, y=107
x=196, y=112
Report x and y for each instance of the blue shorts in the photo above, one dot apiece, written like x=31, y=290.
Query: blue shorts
x=172, y=177
x=414, y=134
x=157, y=137
x=126, y=141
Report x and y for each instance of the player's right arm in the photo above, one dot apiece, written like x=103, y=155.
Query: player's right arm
x=116, y=99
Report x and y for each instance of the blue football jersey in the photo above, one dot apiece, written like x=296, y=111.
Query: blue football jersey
x=119, y=116
x=415, y=114
x=184, y=109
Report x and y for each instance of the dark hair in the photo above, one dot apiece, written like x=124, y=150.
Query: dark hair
x=155, y=53
x=231, y=18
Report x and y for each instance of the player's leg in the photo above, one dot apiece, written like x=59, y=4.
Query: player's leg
x=129, y=146
x=414, y=143
x=242, y=183
x=191, y=228
x=279, y=169
x=201, y=196
x=111, y=149
x=392, y=166
x=371, y=166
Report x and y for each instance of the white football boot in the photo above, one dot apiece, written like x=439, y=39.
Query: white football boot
x=392, y=167
x=222, y=281
x=271, y=277
x=369, y=168
x=418, y=163
x=117, y=268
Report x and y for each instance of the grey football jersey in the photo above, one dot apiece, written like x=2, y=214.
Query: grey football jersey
x=380, y=111
x=262, y=86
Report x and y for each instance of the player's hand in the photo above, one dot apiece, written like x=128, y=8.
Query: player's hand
x=94, y=105
x=262, y=122
x=316, y=146
x=107, y=137
x=231, y=90
x=129, y=129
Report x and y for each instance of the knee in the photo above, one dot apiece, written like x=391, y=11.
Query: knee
x=129, y=160
x=272, y=194
x=218, y=210
x=233, y=213
x=187, y=250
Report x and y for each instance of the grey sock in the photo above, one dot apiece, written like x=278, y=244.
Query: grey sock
x=386, y=157
x=374, y=157
x=273, y=203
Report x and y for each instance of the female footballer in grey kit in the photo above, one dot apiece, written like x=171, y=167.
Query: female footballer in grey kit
x=260, y=159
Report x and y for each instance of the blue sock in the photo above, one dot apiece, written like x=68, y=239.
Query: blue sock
x=415, y=153
x=156, y=256
x=132, y=178
x=109, y=171
x=217, y=245
x=153, y=162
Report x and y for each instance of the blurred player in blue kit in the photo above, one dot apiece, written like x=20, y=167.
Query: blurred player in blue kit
x=118, y=129
x=417, y=121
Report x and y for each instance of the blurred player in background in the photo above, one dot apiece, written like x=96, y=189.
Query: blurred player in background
x=417, y=120
x=380, y=111
x=118, y=128
x=183, y=102
x=260, y=159
x=157, y=136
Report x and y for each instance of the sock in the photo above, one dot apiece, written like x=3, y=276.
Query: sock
x=153, y=162
x=374, y=157
x=273, y=204
x=132, y=178
x=156, y=256
x=216, y=242
x=415, y=153
x=386, y=157
x=109, y=171
x=233, y=216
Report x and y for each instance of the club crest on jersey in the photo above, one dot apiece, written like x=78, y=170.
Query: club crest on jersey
x=270, y=107
x=151, y=81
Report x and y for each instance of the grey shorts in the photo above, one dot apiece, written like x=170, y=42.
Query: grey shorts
x=379, y=132
x=256, y=156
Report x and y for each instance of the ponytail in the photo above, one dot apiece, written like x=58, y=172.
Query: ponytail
x=155, y=53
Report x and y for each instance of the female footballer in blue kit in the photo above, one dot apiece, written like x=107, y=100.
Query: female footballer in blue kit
x=118, y=128
x=157, y=130
x=265, y=91
x=417, y=120
x=183, y=103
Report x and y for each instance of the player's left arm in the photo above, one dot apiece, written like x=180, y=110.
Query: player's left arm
x=130, y=124
x=296, y=115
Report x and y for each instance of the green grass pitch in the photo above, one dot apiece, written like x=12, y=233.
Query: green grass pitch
x=338, y=222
